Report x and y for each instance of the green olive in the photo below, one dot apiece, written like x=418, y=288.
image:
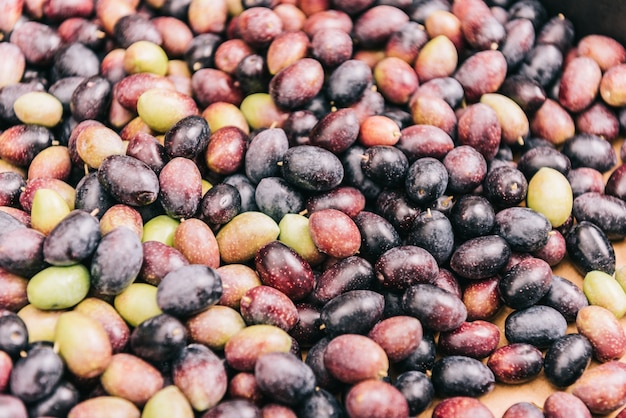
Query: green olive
x=550, y=194
x=58, y=287
x=38, y=108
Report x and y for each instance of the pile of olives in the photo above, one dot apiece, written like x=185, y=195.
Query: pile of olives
x=309, y=209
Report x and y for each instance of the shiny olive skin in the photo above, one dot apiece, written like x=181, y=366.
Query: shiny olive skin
x=350, y=273
x=566, y=359
x=587, y=150
x=564, y=296
x=537, y=325
x=523, y=228
x=589, y=248
x=461, y=376
x=525, y=283
x=417, y=388
x=159, y=338
x=320, y=404
x=377, y=235
x=437, y=309
x=472, y=216
x=352, y=312
x=36, y=375
x=312, y=168
x=480, y=257
x=140, y=190
x=426, y=180
x=202, y=288
x=13, y=333
x=516, y=363
x=532, y=160
x=405, y=265
x=433, y=231
x=276, y=197
x=606, y=211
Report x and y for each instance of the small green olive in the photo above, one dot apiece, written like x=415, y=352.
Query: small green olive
x=58, y=287
x=38, y=108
